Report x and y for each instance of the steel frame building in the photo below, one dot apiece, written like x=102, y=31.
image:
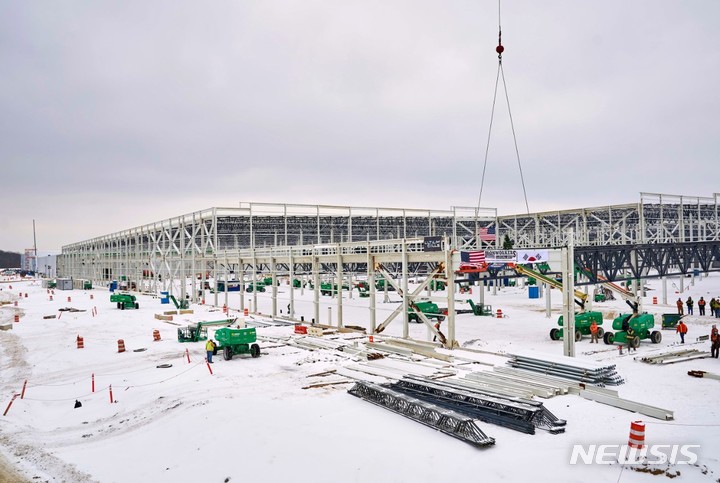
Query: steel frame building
x=657, y=218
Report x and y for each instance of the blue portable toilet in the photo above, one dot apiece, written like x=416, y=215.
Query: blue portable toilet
x=534, y=292
x=113, y=285
x=164, y=297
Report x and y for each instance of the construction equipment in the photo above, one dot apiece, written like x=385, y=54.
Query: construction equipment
x=268, y=282
x=670, y=321
x=638, y=328
x=297, y=283
x=363, y=289
x=429, y=309
x=583, y=321
x=198, y=332
x=183, y=304
x=328, y=288
x=257, y=286
x=380, y=285
x=580, y=297
x=237, y=341
x=609, y=288
x=480, y=310
x=437, y=285
x=124, y=301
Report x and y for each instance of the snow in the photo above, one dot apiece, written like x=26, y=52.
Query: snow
x=252, y=420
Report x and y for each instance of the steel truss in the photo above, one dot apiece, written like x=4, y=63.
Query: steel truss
x=515, y=413
x=657, y=218
x=448, y=421
x=625, y=262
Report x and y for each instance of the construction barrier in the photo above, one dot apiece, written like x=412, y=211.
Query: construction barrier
x=246, y=312
x=80, y=342
x=300, y=329
x=156, y=335
x=17, y=318
x=499, y=314
x=91, y=296
x=69, y=299
x=637, y=434
x=371, y=339
x=654, y=300
x=121, y=345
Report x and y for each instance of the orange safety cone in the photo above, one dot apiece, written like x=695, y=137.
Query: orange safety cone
x=499, y=314
x=246, y=312
x=156, y=335
x=69, y=299
x=17, y=318
x=637, y=434
x=121, y=345
x=80, y=343
x=654, y=300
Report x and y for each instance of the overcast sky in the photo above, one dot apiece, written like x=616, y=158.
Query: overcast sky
x=115, y=114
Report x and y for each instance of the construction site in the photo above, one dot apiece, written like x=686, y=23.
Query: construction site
x=363, y=318
x=419, y=312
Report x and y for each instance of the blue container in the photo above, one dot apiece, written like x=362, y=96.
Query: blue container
x=696, y=272
x=164, y=297
x=113, y=285
x=534, y=292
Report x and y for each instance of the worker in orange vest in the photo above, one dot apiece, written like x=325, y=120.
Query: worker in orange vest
x=593, y=332
x=682, y=330
x=679, y=304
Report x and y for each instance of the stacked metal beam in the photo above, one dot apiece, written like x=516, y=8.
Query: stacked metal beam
x=514, y=413
x=446, y=420
x=570, y=368
x=671, y=357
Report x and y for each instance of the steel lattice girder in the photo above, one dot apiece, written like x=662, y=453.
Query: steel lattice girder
x=515, y=413
x=665, y=258
x=449, y=422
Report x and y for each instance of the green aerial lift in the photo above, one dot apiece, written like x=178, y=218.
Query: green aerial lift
x=481, y=309
x=198, y=332
x=429, y=309
x=640, y=326
x=183, y=304
x=124, y=301
x=237, y=341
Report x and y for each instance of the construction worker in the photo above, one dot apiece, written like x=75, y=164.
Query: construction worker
x=689, y=302
x=701, y=306
x=593, y=332
x=629, y=331
x=679, y=306
x=210, y=349
x=682, y=330
x=713, y=307
x=714, y=342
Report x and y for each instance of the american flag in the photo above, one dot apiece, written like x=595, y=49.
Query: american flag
x=472, y=261
x=476, y=256
x=487, y=234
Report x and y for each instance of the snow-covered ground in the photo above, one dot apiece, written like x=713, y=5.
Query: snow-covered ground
x=251, y=420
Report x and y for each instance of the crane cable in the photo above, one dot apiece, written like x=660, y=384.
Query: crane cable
x=501, y=73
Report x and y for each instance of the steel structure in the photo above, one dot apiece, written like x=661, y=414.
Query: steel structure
x=172, y=247
x=657, y=218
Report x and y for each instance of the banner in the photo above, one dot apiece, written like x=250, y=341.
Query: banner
x=432, y=243
x=516, y=256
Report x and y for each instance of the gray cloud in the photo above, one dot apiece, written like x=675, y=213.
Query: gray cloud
x=114, y=114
